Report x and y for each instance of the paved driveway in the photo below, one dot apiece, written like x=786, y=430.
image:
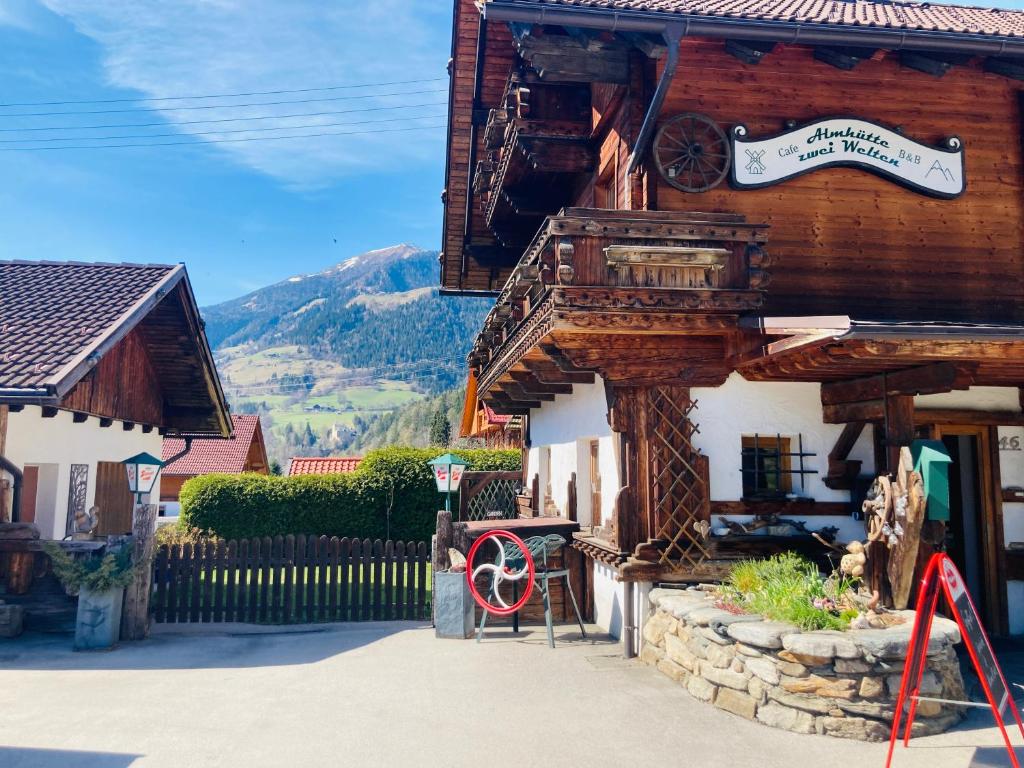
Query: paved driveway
x=391, y=695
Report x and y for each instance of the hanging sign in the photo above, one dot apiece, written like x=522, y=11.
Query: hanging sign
x=851, y=143
x=942, y=574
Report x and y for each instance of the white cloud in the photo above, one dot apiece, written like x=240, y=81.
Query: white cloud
x=160, y=49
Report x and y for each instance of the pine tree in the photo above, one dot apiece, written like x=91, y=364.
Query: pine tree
x=440, y=429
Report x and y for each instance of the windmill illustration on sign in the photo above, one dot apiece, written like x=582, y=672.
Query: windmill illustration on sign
x=755, y=161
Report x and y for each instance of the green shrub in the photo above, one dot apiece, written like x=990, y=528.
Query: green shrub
x=391, y=482
x=100, y=574
x=786, y=587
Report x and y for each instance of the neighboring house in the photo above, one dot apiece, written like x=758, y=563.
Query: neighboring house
x=737, y=267
x=243, y=451
x=330, y=465
x=480, y=422
x=97, y=362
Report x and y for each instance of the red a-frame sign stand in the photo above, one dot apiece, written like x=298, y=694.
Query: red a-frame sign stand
x=942, y=571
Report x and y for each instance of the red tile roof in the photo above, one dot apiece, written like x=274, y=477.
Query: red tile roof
x=317, y=465
x=892, y=14
x=213, y=454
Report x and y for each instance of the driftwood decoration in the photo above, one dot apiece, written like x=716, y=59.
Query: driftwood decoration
x=893, y=516
x=908, y=513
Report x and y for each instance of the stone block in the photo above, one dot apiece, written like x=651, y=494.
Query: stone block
x=703, y=616
x=651, y=654
x=747, y=650
x=656, y=627
x=855, y=728
x=761, y=634
x=792, y=669
x=700, y=688
x=758, y=690
x=852, y=666
x=871, y=687
x=738, y=703
x=672, y=670
x=697, y=646
x=806, y=702
x=824, y=645
x=720, y=656
x=709, y=634
x=787, y=718
x=879, y=710
x=724, y=677
x=454, y=607
x=677, y=652
x=765, y=669
x=930, y=684
x=805, y=659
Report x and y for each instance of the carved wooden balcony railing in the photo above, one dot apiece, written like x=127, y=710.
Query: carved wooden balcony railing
x=537, y=142
x=624, y=273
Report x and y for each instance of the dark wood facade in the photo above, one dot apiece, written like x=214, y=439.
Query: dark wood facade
x=600, y=265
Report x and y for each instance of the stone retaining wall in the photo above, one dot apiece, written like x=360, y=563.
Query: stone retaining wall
x=841, y=684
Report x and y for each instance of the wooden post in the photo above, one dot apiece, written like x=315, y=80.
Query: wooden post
x=899, y=428
x=135, y=616
x=439, y=552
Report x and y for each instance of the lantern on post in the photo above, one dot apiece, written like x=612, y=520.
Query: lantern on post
x=143, y=470
x=448, y=471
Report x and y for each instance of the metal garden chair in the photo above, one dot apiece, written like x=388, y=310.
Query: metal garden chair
x=540, y=548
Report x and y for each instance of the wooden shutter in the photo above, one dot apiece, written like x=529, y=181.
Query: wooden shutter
x=29, y=491
x=113, y=499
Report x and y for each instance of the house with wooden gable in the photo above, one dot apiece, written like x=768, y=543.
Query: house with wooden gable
x=97, y=363
x=189, y=456
x=742, y=253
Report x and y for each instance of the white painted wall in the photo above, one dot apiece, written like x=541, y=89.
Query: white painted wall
x=739, y=407
x=565, y=427
x=55, y=444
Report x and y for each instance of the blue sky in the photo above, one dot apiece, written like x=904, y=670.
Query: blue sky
x=239, y=214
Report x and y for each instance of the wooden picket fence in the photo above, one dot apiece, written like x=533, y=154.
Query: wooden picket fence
x=291, y=580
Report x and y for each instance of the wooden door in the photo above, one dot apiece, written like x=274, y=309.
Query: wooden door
x=113, y=498
x=986, y=553
x=595, y=483
x=29, y=491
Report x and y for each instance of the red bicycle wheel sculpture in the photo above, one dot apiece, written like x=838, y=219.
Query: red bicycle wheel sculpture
x=513, y=564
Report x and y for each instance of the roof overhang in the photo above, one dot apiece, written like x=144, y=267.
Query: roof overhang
x=834, y=348
x=781, y=31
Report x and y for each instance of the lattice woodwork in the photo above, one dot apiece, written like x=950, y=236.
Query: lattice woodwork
x=678, y=478
x=495, y=500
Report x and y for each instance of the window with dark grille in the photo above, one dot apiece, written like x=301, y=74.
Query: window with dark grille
x=770, y=464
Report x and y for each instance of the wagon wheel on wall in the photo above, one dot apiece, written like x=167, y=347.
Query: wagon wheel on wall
x=692, y=153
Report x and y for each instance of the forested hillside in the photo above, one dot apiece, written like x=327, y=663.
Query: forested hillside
x=327, y=358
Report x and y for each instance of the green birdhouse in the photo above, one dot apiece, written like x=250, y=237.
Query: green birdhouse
x=932, y=461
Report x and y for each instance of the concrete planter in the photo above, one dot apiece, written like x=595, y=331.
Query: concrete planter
x=98, y=624
x=453, y=606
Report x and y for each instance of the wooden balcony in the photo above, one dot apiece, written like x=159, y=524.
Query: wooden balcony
x=538, y=139
x=637, y=296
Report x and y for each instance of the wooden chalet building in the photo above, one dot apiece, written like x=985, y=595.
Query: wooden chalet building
x=742, y=252
x=189, y=456
x=97, y=363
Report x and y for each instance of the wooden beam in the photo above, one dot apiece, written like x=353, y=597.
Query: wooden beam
x=845, y=58
x=935, y=64
x=841, y=471
x=561, y=362
x=147, y=428
x=105, y=422
x=518, y=393
x=16, y=408
x=923, y=380
x=969, y=417
x=80, y=418
x=3, y=431
x=1012, y=68
x=899, y=427
x=49, y=411
x=547, y=373
x=749, y=51
x=127, y=426
x=530, y=383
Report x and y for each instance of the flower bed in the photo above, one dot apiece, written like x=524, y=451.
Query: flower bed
x=838, y=683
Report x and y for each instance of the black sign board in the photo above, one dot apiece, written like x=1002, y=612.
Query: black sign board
x=941, y=572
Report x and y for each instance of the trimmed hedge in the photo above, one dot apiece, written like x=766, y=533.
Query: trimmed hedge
x=354, y=504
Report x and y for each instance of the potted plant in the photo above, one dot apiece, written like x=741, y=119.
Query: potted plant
x=99, y=583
